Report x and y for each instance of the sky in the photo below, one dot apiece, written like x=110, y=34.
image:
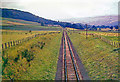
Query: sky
x=64, y=9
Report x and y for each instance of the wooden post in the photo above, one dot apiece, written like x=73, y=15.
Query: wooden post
x=86, y=30
x=23, y=40
x=18, y=41
x=118, y=45
x=14, y=43
x=2, y=46
x=5, y=45
x=11, y=43
x=113, y=43
x=8, y=44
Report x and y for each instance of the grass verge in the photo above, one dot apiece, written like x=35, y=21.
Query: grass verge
x=32, y=60
x=99, y=58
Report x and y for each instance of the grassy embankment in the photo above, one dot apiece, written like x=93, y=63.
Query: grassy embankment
x=32, y=60
x=99, y=58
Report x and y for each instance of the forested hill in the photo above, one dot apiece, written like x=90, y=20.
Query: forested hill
x=18, y=14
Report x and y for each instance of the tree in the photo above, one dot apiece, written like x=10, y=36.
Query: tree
x=111, y=27
x=74, y=26
x=86, y=29
x=94, y=27
x=116, y=27
x=68, y=25
x=30, y=31
x=42, y=24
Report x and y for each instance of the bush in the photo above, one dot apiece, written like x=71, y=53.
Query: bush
x=28, y=55
x=39, y=45
x=17, y=58
x=5, y=61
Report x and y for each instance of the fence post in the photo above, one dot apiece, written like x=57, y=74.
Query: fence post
x=14, y=43
x=114, y=44
x=110, y=43
x=2, y=46
x=18, y=41
x=118, y=45
x=6, y=45
x=11, y=43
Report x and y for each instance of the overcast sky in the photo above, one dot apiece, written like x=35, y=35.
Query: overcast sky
x=63, y=9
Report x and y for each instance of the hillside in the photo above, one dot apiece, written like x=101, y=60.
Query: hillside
x=99, y=20
x=10, y=21
x=17, y=14
x=26, y=16
x=17, y=24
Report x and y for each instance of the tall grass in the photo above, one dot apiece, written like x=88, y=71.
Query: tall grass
x=99, y=58
x=33, y=60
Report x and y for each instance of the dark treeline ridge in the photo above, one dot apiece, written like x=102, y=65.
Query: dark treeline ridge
x=18, y=14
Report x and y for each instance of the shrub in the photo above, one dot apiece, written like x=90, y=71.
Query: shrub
x=17, y=58
x=39, y=45
x=28, y=55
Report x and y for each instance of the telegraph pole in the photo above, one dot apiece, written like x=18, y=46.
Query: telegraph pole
x=86, y=30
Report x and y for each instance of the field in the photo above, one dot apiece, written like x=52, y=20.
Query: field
x=16, y=24
x=35, y=59
x=99, y=58
x=10, y=21
x=10, y=35
x=110, y=36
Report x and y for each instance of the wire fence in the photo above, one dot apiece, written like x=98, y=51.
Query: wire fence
x=113, y=43
x=16, y=42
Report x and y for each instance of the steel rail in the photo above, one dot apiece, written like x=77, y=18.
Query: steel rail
x=75, y=68
x=65, y=63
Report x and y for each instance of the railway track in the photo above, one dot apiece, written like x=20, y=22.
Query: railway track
x=70, y=67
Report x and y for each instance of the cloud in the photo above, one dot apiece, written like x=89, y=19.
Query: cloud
x=58, y=9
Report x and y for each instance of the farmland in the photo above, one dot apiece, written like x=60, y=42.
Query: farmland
x=99, y=58
x=10, y=35
x=16, y=24
x=35, y=59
